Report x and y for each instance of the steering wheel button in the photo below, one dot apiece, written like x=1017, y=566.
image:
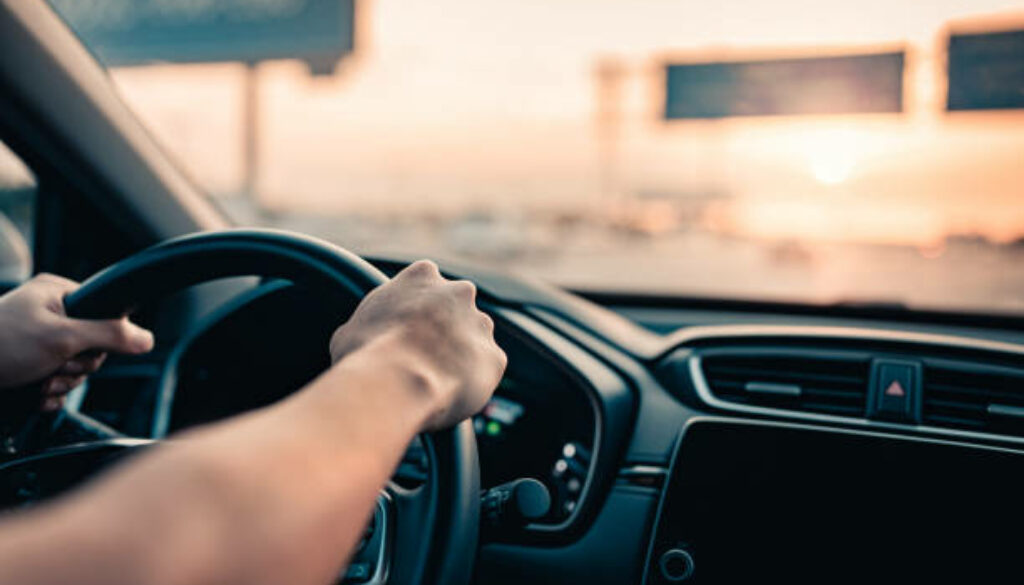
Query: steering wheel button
x=358, y=572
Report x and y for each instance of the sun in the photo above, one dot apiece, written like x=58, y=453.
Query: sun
x=832, y=155
x=831, y=168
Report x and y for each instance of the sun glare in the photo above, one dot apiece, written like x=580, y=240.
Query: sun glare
x=831, y=168
x=832, y=155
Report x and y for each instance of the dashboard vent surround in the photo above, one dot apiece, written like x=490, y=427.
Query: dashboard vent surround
x=825, y=383
x=978, y=398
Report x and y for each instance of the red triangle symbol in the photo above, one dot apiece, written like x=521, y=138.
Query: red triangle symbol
x=895, y=389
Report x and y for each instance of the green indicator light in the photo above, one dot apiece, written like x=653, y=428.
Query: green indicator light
x=493, y=428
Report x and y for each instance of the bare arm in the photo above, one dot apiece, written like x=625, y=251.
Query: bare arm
x=280, y=495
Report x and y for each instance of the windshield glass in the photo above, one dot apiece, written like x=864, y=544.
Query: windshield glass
x=861, y=151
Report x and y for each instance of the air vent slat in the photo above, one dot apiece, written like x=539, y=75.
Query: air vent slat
x=830, y=385
x=972, y=396
x=957, y=405
x=833, y=408
x=857, y=395
x=944, y=420
x=973, y=391
x=758, y=373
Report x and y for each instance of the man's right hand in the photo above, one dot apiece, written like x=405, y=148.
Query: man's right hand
x=431, y=330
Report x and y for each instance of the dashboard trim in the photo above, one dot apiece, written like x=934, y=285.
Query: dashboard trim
x=687, y=337
x=612, y=407
x=703, y=390
x=650, y=443
x=651, y=476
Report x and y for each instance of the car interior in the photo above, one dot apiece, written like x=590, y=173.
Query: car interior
x=634, y=438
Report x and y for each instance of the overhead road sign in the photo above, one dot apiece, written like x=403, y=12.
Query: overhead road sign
x=986, y=71
x=848, y=84
x=133, y=32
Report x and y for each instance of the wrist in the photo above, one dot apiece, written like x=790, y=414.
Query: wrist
x=399, y=380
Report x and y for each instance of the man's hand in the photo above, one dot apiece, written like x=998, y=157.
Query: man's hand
x=429, y=329
x=38, y=341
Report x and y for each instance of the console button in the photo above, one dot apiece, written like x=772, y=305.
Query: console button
x=895, y=392
x=675, y=565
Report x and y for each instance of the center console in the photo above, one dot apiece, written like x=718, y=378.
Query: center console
x=750, y=501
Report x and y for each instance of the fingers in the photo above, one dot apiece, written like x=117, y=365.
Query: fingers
x=487, y=321
x=120, y=335
x=502, y=359
x=60, y=385
x=69, y=376
x=59, y=283
x=85, y=363
x=52, y=403
x=423, y=270
x=117, y=335
x=464, y=289
x=50, y=290
x=55, y=391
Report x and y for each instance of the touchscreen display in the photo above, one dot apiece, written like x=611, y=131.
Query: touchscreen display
x=773, y=503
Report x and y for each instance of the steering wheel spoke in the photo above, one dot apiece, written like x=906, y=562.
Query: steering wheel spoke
x=37, y=477
x=371, y=562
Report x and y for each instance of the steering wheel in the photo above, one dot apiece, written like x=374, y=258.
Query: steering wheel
x=426, y=534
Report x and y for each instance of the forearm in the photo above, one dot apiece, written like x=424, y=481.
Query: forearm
x=202, y=511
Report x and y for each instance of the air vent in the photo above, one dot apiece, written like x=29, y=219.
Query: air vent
x=828, y=384
x=978, y=398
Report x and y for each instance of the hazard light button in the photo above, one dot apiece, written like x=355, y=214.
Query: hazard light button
x=895, y=391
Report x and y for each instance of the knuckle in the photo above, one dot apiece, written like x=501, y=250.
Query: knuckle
x=487, y=321
x=464, y=288
x=62, y=342
x=423, y=269
x=90, y=364
x=53, y=279
x=120, y=332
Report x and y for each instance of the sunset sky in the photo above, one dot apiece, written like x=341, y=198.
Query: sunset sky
x=460, y=105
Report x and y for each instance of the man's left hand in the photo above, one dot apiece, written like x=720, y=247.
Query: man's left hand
x=39, y=342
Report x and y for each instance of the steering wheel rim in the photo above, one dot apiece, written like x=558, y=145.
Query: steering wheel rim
x=447, y=505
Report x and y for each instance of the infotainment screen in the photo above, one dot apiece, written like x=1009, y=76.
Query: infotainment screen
x=776, y=503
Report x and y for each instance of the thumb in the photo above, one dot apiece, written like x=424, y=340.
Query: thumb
x=117, y=335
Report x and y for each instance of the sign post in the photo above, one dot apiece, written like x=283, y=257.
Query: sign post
x=139, y=32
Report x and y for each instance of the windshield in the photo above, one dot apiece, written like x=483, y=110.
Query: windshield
x=860, y=151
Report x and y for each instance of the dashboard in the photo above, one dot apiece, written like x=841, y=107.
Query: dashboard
x=718, y=453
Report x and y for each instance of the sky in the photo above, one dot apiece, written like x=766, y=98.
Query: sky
x=461, y=105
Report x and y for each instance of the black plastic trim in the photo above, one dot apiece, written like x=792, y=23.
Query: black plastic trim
x=681, y=369
x=613, y=408
x=858, y=311
x=656, y=526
